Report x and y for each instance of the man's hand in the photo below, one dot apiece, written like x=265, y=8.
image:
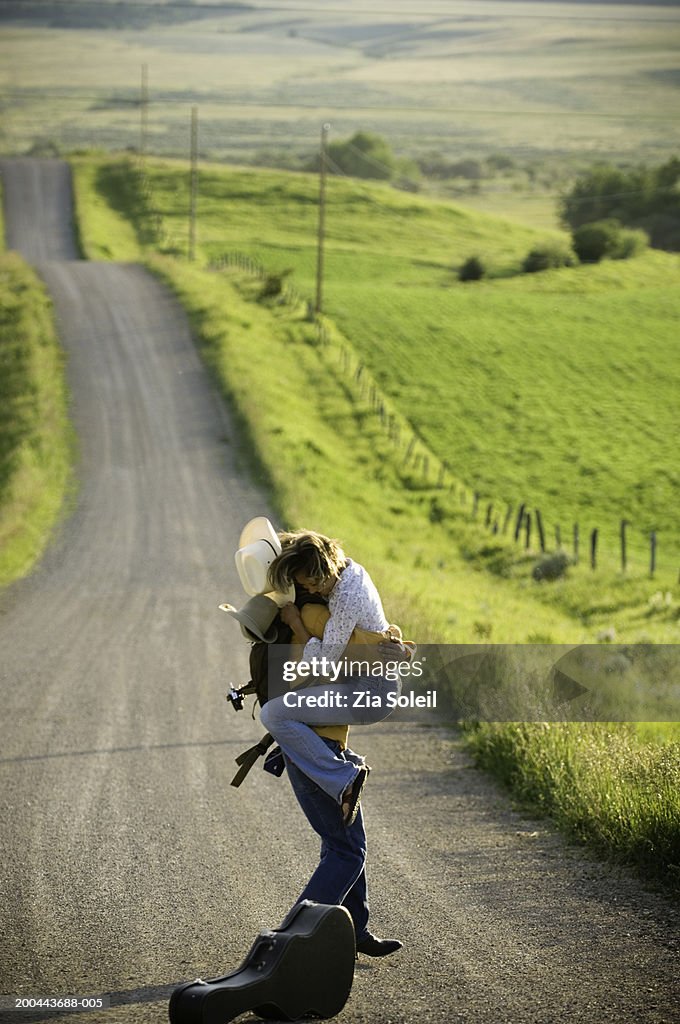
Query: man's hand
x=394, y=650
x=290, y=614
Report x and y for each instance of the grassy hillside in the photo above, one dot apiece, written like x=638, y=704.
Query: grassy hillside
x=331, y=467
x=555, y=389
x=35, y=439
x=397, y=249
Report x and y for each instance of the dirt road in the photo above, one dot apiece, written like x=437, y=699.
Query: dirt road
x=128, y=862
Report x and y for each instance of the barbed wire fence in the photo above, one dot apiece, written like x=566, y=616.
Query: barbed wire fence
x=521, y=521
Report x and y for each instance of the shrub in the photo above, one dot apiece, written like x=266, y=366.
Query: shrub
x=639, y=197
x=608, y=239
x=472, y=270
x=44, y=148
x=365, y=155
x=273, y=284
x=500, y=162
x=436, y=166
x=631, y=243
x=592, y=242
x=597, y=193
x=551, y=567
x=437, y=512
x=548, y=256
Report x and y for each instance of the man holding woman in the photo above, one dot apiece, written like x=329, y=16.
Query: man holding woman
x=327, y=777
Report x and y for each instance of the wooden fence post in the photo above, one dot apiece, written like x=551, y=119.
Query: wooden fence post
x=558, y=535
x=593, y=548
x=475, y=503
x=489, y=512
x=541, y=533
x=652, y=554
x=576, y=539
x=508, y=517
x=624, y=552
x=527, y=542
x=520, y=520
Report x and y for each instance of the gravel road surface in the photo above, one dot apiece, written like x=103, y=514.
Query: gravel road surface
x=128, y=862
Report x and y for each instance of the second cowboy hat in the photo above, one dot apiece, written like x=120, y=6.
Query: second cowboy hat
x=256, y=618
x=258, y=546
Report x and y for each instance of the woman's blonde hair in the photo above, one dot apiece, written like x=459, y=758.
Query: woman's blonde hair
x=309, y=553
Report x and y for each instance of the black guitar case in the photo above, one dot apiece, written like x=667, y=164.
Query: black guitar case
x=305, y=966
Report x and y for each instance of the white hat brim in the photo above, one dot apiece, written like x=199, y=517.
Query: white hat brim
x=260, y=528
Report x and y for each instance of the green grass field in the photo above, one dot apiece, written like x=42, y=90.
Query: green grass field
x=555, y=389
x=444, y=382
x=36, y=444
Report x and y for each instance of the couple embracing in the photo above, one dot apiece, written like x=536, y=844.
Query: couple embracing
x=312, y=731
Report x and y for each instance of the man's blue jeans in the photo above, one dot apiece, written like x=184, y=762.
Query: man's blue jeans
x=290, y=726
x=340, y=878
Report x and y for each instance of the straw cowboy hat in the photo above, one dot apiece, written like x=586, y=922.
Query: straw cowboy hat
x=258, y=546
x=256, y=618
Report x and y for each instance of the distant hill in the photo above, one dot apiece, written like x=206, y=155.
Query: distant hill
x=114, y=14
x=117, y=14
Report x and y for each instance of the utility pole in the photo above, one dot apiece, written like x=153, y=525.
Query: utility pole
x=193, y=183
x=144, y=112
x=322, y=217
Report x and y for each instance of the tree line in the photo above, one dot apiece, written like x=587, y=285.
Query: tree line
x=644, y=198
x=610, y=211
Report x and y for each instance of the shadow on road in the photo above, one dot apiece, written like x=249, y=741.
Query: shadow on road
x=124, y=750
x=151, y=994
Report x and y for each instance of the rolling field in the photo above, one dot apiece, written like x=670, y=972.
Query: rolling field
x=380, y=291
x=555, y=389
x=567, y=82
